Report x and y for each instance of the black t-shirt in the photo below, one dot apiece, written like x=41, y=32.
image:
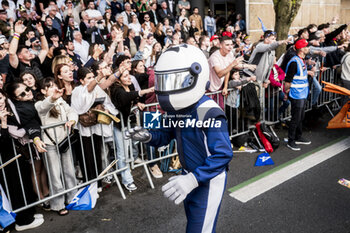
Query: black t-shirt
x=46, y=67
x=291, y=52
x=34, y=66
x=292, y=70
x=4, y=64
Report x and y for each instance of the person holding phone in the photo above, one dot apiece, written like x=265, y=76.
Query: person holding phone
x=221, y=63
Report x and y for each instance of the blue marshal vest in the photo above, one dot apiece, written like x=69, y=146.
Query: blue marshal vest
x=300, y=85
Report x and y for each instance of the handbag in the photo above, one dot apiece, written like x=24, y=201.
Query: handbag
x=63, y=146
x=90, y=117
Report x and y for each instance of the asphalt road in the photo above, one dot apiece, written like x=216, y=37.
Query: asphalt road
x=310, y=202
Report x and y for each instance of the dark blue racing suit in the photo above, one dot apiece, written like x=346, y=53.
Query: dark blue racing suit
x=204, y=150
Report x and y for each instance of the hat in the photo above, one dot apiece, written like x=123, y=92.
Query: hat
x=107, y=7
x=3, y=11
x=214, y=37
x=313, y=36
x=226, y=33
x=33, y=39
x=3, y=39
x=105, y=118
x=301, y=44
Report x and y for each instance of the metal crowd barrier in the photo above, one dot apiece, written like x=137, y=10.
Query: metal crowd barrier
x=324, y=99
x=30, y=160
x=149, y=155
x=242, y=124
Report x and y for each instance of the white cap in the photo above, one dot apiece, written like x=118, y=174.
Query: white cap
x=2, y=39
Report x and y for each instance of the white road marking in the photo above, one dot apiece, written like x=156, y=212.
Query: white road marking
x=270, y=181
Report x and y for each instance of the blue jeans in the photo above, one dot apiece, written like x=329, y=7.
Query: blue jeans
x=210, y=31
x=285, y=103
x=284, y=106
x=122, y=156
x=316, y=90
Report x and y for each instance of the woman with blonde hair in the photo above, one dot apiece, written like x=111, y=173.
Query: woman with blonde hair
x=62, y=59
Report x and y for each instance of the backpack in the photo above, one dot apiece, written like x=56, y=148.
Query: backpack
x=241, y=140
x=250, y=102
x=266, y=143
x=270, y=136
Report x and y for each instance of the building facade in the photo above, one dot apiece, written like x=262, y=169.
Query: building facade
x=311, y=11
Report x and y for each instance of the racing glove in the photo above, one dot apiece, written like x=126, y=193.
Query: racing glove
x=179, y=187
x=138, y=134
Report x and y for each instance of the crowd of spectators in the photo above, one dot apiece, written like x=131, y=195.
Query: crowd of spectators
x=60, y=58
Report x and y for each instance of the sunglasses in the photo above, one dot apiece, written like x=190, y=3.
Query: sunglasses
x=24, y=93
x=271, y=34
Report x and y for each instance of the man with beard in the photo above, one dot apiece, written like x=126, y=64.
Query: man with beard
x=20, y=57
x=70, y=51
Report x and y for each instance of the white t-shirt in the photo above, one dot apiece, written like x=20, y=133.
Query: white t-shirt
x=136, y=27
x=93, y=13
x=82, y=50
x=217, y=60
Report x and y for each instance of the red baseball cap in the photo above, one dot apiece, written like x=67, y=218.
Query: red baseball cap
x=213, y=37
x=226, y=33
x=301, y=44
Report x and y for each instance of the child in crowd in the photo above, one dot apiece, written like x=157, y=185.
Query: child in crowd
x=233, y=98
x=276, y=78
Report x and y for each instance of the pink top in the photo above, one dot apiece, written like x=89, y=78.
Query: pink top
x=217, y=60
x=276, y=79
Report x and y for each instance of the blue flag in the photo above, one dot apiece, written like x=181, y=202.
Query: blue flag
x=264, y=159
x=7, y=217
x=262, y=25
x=84, y=199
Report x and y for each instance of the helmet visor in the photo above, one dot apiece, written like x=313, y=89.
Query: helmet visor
x=165, y=82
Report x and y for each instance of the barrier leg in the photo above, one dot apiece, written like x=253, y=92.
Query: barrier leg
x=148, y=176
x=119, y=186
x=329, y=110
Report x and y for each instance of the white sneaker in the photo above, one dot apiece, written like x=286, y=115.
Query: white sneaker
x=156, y=172
x=37, y=222
x=99, y=190
x=108, y=179
x=138, y=161
x=38, y=216
x=130, y=187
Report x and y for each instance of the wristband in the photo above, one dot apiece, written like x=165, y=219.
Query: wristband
x=36, y=139
x=117, y=77
x=41, y=34
x=16, y=34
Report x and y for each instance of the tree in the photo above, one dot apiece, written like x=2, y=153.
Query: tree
x=285, y=11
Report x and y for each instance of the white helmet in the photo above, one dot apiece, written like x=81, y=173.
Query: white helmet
x=181, y=77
